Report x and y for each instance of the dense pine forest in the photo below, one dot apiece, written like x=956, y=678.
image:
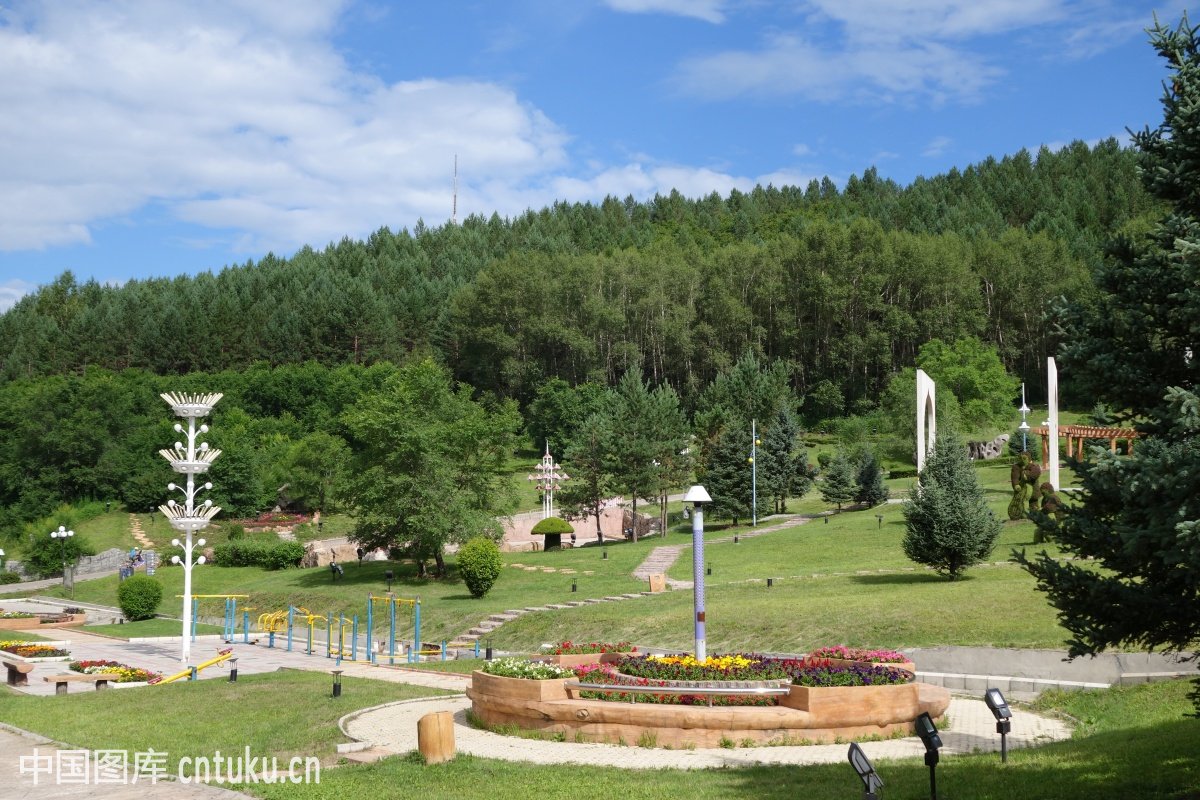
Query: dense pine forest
x=841, y=288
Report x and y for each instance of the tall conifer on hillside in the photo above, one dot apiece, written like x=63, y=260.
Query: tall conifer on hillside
x=1138, y=517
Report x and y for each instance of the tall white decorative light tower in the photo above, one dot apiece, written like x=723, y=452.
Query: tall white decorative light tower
x=548, y=479
x=191, y=460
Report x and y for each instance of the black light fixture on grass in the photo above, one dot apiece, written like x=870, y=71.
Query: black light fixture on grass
x=389, y=576
x=574, y=586
x=1003, y=714
x=337, y=682
x=233, y=670
x=929, y=737
x=879, y=518
x=862, y=765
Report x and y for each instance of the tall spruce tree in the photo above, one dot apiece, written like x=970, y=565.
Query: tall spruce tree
x=871, y=489
x=1137, y=521
x=948, y=524
x=837, y=483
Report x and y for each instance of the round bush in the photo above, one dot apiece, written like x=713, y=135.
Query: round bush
x=9, y=577
x=139, y=597
x=479, y=564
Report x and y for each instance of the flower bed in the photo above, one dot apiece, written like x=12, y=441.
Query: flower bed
x=15, y=614
x=122, y=673
x=35, y=651
x=729, y=667
x=823, y=672
x=605, y=674
x=844, y=653
x=513, y=667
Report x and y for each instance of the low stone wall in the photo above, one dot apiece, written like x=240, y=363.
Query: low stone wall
x=806, y=715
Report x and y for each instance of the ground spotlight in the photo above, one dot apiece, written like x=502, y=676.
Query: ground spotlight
x=929, y=737
x=862, y=765
x=1003, y=714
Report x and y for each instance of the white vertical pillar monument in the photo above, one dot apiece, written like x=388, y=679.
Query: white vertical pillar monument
x=926, y=417
x=1052, y=422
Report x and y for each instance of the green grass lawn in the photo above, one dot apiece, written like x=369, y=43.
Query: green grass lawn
x=841, y=578
x=147, y=628
x=284, y=713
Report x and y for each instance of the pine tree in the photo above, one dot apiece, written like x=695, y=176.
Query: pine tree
x=837, y=482
x=778, y=465
x=949, y=525
x=871, y=489
x=1137, y=522
x=727, y=475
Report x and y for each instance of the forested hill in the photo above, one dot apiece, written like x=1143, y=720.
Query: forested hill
x=844, y=285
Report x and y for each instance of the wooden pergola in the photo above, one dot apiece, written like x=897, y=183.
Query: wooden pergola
x=1076, y=435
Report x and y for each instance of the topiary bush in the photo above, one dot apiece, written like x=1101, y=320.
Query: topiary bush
x=265, y=554
x=139, y=597
x=553, y=529
x=479, y=564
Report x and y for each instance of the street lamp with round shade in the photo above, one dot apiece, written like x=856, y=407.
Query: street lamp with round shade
x=62, y=534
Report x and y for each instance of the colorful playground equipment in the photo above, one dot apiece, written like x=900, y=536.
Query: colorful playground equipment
x=192, y=673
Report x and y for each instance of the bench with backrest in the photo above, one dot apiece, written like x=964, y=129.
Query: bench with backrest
x=60, y=681
x=18, y=671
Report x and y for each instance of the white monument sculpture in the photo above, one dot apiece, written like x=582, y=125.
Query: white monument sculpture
x=1052, y=422
x=926, y=417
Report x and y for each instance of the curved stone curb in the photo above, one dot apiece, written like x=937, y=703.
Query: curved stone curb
x=972, y=729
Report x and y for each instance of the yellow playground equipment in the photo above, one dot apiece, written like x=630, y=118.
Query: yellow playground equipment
x=191, y=673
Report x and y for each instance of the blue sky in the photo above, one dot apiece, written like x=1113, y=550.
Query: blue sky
x=157, y=137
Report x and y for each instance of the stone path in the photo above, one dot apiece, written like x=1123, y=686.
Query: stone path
x=663, y=558
x=139, y=535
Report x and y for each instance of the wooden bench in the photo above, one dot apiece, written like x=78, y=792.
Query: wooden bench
x=18, y=672
x=60, y=681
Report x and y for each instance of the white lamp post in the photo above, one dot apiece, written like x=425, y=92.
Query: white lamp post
x=62, y=534
x=698, y=496
x=190, y=460
x=1024, y=428
x=753, y=473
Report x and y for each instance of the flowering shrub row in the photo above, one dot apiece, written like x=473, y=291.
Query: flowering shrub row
x=822, y=673
x=15, y=615
x=731, y=667
x=512, y=667
x=25, y=650
x=576, y=648
x=122, y=673
x=859, y=654
x=605, y=674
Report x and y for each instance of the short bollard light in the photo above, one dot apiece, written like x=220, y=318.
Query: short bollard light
x=708, y=570
x=487, y=653
x=337, y=682
x=1003, y=714
x=389, y=576
x=574, y=586
x=735, y=538
x=929, y=737
x=872, y=783
x=770, y=582
x=233, y=670
x=879, y=518
x=826, y=518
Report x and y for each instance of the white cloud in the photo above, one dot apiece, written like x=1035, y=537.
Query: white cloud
x=13, y=290
x=802, y=150
x=248, y=121
x=791, y=64
x=935, y=19
x=937, y=146
x=707, y=10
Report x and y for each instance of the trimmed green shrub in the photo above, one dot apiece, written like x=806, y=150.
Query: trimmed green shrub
x=139, y=597
x=479, y=564
x=9, y=577
x=552, y=528
x=266, y=554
